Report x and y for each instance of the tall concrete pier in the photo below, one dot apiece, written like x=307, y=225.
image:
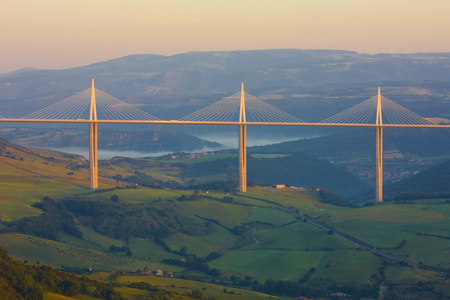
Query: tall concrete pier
x=242, y=145
x=93, y=149
x=379, y=153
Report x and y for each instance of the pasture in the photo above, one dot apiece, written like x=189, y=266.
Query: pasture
x=19, y=193
x=57, y=254
x=424, y=227
x=182, y=286
x=221, y=240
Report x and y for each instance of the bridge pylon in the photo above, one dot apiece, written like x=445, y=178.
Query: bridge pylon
x=93, y=140
x=242, y=145
x=379, y=153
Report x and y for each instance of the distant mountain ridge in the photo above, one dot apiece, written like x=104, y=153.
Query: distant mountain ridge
x=223, y=71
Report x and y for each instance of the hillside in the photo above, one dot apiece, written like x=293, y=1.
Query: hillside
x=298, y=170
x=20, y=281
x=417, y=142
x=406, y=151
x=29, y=174
x=433, y=180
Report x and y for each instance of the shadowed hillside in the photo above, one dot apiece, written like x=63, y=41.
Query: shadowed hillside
x=433, y=180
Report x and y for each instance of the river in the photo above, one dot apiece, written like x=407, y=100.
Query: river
x=228, y=141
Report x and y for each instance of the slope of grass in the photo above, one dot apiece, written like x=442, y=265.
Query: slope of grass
x=56, y=254
x=269, y=215
x=399, y=274
x=19, y=193
x=296, y=199
x=298, y=236
x=140, y=195
x=149, y=250
x=339, y=266
x=182, y=286
x=28, y=174
x=387, y=225
x=220, y=241
x=226, y=213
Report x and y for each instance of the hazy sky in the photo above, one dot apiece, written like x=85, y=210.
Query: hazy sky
x=58, y=34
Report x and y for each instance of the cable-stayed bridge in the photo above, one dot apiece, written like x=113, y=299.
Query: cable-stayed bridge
x=228, y=109
x=76, y=107
x=93, y=106
x=366, y=113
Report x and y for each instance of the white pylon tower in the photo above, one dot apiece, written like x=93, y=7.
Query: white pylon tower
x=379, y=153
x=93, y=159
x=242, y=145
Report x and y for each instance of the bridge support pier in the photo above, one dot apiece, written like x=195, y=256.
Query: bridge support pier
x=242, y=158
x=93, y=139
x=93, y=159
x=242, y=145
x=379, y=165
x=379, y=153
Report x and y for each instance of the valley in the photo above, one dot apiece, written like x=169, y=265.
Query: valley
x=242, y=242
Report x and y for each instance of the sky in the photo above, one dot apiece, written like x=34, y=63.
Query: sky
x=59, y=34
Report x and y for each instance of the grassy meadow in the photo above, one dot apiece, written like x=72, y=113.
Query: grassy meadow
x=386, y=226
x=278, y=245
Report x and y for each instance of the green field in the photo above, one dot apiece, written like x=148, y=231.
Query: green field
x=339, y=266
x=269, y=215
x=299, y=236
x=57, y=254
x=36, y=173
x=382, y=226
x=227, y=214
x=18, y=194
x=387, y=225
x=220, y=241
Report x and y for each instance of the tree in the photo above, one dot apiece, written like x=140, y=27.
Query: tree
x=197, y=294
x=183, y=251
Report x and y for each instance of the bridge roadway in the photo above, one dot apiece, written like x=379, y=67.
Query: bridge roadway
x=220, y=123
x=242, y=124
